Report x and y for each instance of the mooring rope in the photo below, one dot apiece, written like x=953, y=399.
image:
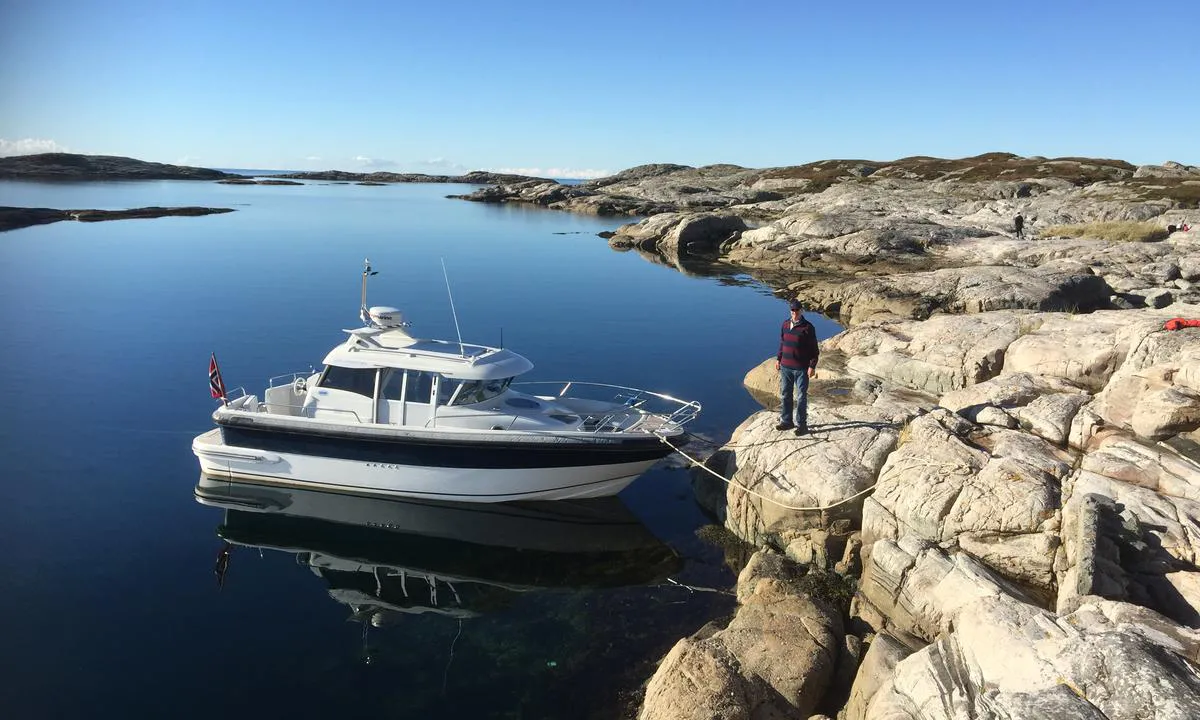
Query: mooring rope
x=743, y=488
x=446, y=672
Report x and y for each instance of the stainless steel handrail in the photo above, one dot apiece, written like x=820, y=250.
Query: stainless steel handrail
x=685, y=411
x=309, y=410
x=633, y=406
x=291, y=378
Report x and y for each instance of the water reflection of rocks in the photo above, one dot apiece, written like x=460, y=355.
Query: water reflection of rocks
x=700, y=266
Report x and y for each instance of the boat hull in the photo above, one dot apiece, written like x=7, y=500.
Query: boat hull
x=459, y=468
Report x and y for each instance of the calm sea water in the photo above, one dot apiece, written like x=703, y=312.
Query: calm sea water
x=110, y=604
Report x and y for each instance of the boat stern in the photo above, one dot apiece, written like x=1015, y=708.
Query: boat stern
x=217, y=457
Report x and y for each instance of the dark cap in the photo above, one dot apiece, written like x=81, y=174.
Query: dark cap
x=796, y=305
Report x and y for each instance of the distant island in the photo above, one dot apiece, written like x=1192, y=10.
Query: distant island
x=15, y=218
x=70, y=166
x=476, y=177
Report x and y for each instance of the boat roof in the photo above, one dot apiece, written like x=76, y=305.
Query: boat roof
x=370, y=347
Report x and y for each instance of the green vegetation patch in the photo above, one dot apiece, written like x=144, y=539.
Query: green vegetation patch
x=980, y=168
x=1006, y=166
x=821, y=175
x=1112, y=231
x=721, y=537
x=830, y=587
x=1184, y=192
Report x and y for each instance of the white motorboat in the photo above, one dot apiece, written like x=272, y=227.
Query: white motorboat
x=395, y=414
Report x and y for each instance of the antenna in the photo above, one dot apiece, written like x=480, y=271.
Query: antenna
x=367, y=272
x=461, y=352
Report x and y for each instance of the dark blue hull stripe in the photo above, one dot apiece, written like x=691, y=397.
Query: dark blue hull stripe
x=447, y=454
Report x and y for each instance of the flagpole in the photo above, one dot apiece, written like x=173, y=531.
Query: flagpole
x=216, y=386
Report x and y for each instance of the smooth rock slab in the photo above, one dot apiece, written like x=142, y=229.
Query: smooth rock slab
x=838, y=459
x=1012, y=660
x=1050, y=416
x=774, y=660
x=876, y=669
x=944, y=353
x=995, y=491
x=1055, y=285
x=913, y=589
x=1131, y=551
x=1009, y=390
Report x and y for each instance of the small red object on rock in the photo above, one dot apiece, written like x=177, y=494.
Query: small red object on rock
x=1180, y=323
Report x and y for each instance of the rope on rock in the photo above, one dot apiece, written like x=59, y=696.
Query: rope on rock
x=747, y=490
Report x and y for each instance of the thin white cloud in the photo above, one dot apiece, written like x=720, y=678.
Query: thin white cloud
x=313, y=158
x=554, y=172
x=373, y=162
x=187, y=160
x=29, y=146
x=440, y=165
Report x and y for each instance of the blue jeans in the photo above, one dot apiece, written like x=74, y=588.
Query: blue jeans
x=794, y=380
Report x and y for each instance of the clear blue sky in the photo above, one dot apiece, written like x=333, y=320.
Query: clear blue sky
x=596, y=86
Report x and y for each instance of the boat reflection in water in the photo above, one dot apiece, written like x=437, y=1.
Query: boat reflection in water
x=386, y=556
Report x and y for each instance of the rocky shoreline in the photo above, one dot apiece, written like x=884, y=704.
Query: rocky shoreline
x=1014, y=496
x=15, y=218
x=998, y=511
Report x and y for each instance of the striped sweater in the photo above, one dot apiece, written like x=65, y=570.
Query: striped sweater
x=798, y=345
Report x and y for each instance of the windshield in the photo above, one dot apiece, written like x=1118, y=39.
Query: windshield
x=477, y=391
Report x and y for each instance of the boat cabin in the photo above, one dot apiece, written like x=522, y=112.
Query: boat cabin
x=384, y=375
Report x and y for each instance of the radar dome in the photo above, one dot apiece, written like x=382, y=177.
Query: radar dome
x=386, y=317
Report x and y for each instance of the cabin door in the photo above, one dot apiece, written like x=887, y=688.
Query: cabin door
x=418, y=398
x=406, y=398
x=391, y=398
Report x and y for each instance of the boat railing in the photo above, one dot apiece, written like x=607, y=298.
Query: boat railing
x=671, y=411
x=635, y=407
x=309, y=411
x=289, y=378
x=312, y=410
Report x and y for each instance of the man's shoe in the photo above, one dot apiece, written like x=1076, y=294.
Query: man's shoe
x=801, y=431
x=784, y=426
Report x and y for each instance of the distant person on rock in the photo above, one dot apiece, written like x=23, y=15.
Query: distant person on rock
x=796, y=363
x=1019, y=224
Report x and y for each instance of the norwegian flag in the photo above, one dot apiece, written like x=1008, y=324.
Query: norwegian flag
x=215, y=384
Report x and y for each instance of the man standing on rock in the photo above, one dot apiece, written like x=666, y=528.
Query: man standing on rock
x=1019, y=224
x=796, y=362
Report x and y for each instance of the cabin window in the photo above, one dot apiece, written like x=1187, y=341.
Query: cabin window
x=420, y=387
x=360, y=381
x=446, y=390
x=477, y=391
x=393, y=385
